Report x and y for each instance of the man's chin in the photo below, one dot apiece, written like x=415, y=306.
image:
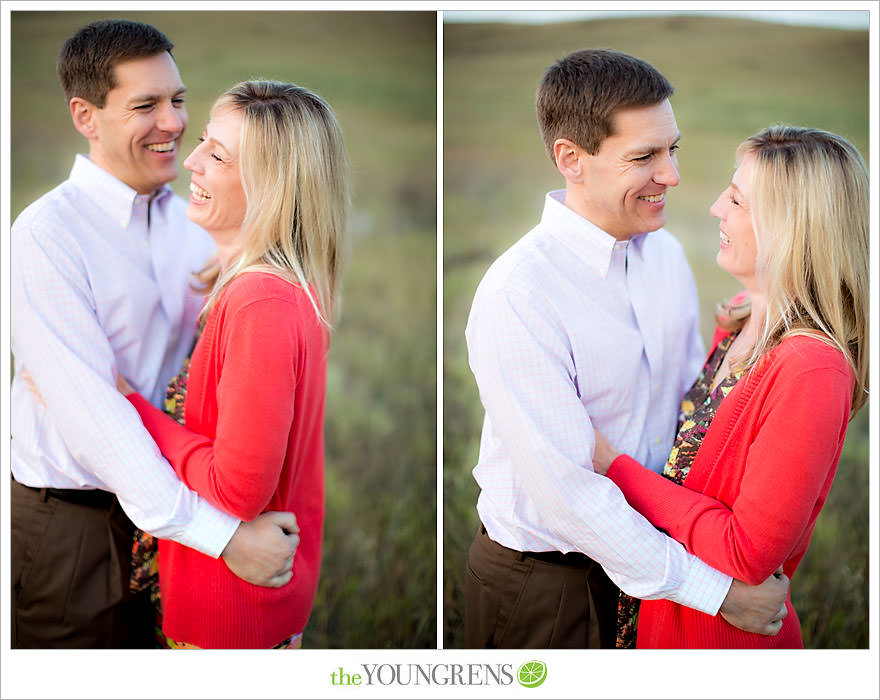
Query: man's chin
x=163, y=177
x=655, y=223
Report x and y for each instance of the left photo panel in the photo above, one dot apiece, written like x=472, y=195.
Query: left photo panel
x=223, y=328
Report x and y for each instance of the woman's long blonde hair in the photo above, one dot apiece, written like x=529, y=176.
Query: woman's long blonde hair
x=809, y=207
x=294, y=171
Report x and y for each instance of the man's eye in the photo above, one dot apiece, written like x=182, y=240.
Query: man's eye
x=177, y=101
x=642, y=159
x=144, y=107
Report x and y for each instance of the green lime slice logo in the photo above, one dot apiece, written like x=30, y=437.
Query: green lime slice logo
x=532, y=673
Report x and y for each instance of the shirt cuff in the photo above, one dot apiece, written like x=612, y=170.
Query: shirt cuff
x=209, y=530
x=703, y=589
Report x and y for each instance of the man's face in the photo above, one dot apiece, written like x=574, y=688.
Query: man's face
x=625, y=182
x=138, y=131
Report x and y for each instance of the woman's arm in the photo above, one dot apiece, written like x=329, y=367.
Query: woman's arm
x=788, y=463
x=238, y=470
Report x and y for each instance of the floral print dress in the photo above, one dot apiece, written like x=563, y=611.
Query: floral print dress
x=698, y=408
x=144, y=550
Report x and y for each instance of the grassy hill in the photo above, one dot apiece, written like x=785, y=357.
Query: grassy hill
x=378, y=71
x=732, y=77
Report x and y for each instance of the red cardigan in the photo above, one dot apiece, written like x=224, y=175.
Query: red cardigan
x=755, y=489
x=252, y=442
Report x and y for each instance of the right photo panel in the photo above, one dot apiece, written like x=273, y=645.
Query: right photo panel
x=655, y=330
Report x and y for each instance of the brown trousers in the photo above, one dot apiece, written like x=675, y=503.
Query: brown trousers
x=515, y=600
x=70, y=576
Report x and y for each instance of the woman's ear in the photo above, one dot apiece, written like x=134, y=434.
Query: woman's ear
x=83, y=114
x=568, y=156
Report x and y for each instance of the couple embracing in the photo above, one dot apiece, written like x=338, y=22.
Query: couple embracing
x=200, y=521
x=636, y=490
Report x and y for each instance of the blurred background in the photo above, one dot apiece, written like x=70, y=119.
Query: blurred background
x=732, y=77
x=378, y=71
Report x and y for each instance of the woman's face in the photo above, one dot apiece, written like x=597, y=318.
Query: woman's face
x=217, y=201
x=738, y=248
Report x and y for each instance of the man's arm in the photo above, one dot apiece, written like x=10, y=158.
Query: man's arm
x=527, y=381
x=260, y=551
x=57, y=337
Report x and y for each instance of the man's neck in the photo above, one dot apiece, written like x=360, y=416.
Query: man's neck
x=576, y=203
x=99, y=164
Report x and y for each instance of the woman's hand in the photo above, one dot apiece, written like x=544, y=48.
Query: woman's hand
x=123, y=386
x=31, y=387
x=604, y=455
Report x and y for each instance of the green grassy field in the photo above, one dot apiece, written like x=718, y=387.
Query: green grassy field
x=378, y=70
x=732, y=77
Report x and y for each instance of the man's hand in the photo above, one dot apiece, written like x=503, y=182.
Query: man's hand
x=760, y=608
x=261, y=551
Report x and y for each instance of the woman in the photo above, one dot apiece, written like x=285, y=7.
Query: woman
x=762, y=428
x=269, y=184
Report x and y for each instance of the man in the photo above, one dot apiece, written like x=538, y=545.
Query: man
x=588, y=320
x=100, y=287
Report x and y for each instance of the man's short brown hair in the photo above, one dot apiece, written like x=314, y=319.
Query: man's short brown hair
x=578, y=95
x=87, y=61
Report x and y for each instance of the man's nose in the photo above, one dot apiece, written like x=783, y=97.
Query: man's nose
x=667, y=172
x=170, y=119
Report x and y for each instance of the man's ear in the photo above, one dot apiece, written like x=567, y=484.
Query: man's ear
x=568, y=156
x=83, y=114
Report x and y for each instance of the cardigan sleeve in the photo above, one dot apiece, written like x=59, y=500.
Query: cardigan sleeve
x=792, y=456
x=238, y=471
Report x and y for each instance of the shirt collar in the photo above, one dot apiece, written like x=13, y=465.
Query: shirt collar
x=587, y=241
x=109, y=192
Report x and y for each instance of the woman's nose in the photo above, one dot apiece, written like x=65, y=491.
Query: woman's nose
x=717, y=209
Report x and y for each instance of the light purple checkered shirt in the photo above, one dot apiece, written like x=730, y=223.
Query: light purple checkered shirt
x=100, y=284
x=570, y=329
